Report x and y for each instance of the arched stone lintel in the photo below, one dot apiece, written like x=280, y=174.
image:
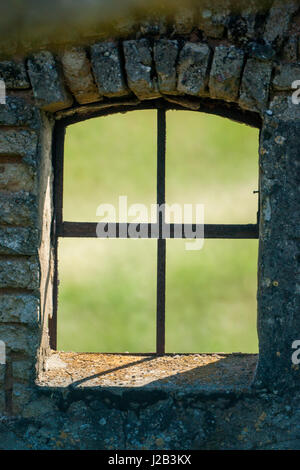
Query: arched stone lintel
x=147, y=69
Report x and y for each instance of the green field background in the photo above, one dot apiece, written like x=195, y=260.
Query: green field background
x=107, y=287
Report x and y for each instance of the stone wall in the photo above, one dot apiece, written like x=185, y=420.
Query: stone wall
x=237, y=65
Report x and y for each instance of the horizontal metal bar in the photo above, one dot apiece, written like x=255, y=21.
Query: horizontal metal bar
x=121, y=230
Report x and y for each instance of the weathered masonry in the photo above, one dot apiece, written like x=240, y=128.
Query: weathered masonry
x=240, y=65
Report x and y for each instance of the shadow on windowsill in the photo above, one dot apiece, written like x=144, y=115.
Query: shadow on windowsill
x=205, y=373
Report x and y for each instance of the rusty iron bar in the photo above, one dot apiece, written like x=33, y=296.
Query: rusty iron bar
x=144, y=230
x=161, y=242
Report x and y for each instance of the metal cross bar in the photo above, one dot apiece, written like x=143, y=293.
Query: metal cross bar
x=144, y=230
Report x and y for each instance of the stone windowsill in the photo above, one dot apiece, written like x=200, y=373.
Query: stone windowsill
x=202, y=373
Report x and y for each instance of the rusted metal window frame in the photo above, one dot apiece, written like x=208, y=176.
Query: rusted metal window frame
x=61, y=228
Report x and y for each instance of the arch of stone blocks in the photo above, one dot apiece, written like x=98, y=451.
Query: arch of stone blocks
x=251, y=85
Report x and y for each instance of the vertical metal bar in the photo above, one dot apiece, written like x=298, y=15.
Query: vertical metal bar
x=161, y=243
x=58, y=167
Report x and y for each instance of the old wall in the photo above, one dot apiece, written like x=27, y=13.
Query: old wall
x=240, y=65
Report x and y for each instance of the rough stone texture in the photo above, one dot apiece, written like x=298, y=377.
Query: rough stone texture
x=290, y=49
x=193, y=69
x=263, y=52
x=255, y=85
x=19, y=308
x=107, y=67
x=278, y=296
x=19, y=143
x=240, y=28
x=47, y=82
x=138, y=64
x=78, y=74
x=21, y=147
x=134, y=418
x=278, y=20
x=19, y=112
x=21, y=396
x=14, y=74
x=283, y=105
x=19, y=340
x=19, y=273
x=18, y=241
x=18, y=209
x=31, y=410
x=165, y=57
x=15, y=176
x=225, y=75
x=285, y=76
x=228, y=372
x=23, y=370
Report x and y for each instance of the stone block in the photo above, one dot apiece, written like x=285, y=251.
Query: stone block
x=19, y=273
x=194, y=59
x=254, y=91
x=78, y=74
x=285, y=76
x=19, y=143
x=18, y=208
x=23, y=370
x=165, y=57
x=47, y=82
x=18, y=241
x=19, y=112
x=138, y=65
x=225, y=75
x=107, y=67
x=278, y=295
x=14, y=74
x=15, y=176
x=19, y=308
x=19, y=339
x=283, y=106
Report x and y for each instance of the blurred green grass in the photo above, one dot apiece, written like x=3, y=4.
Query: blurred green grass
x=108, y=287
